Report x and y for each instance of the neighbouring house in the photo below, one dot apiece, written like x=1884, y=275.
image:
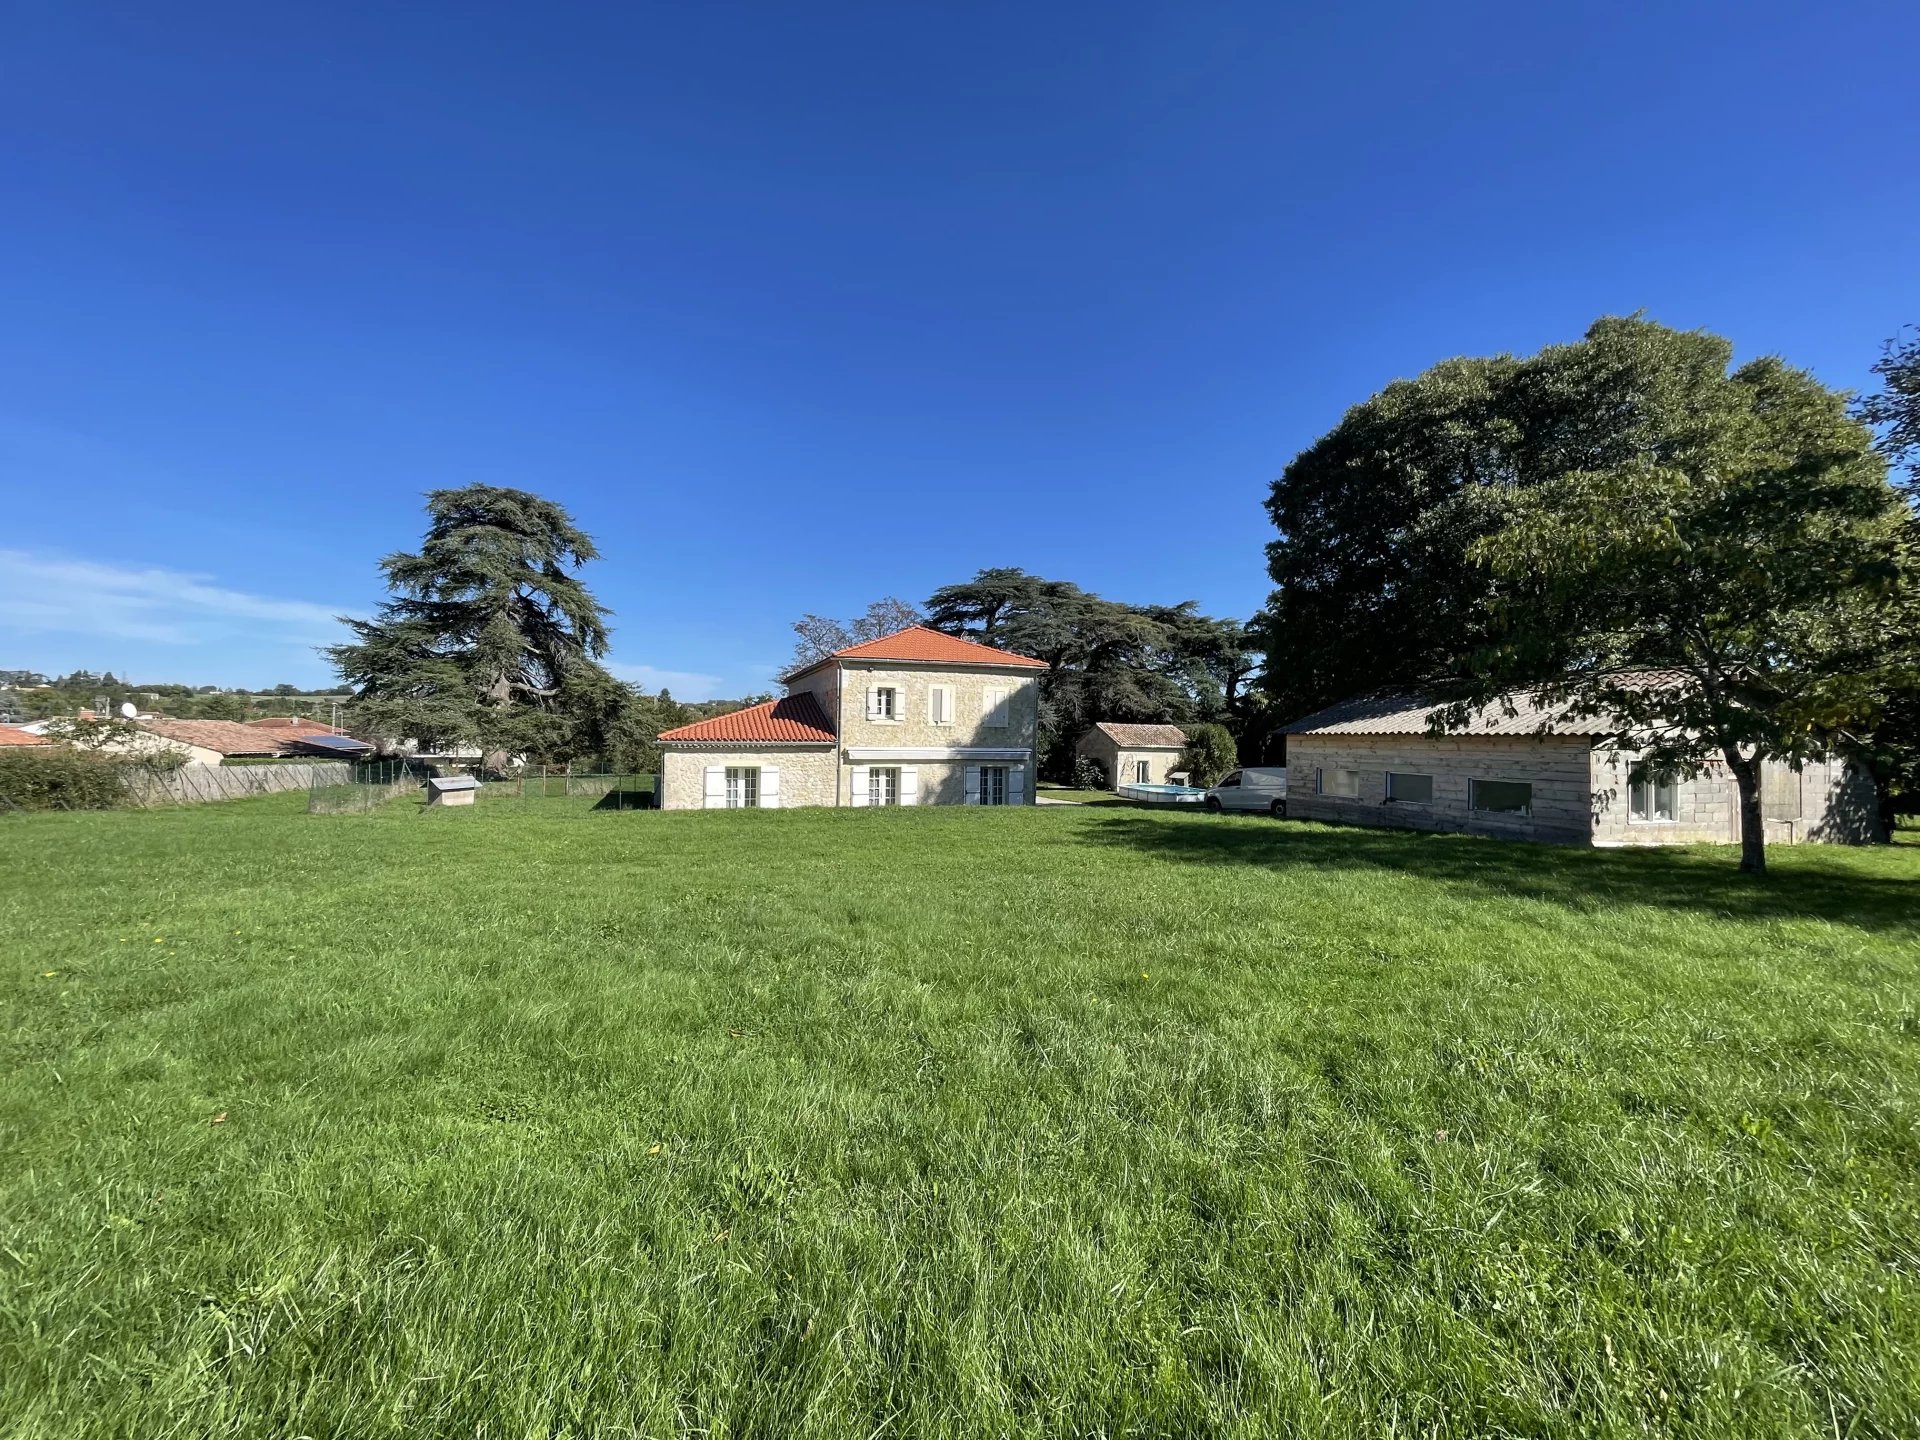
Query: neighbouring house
x=1134, y=754
x=10, y=736
x=1374, y=762
x=294, y=725
x=208, y=742
x=913, y=718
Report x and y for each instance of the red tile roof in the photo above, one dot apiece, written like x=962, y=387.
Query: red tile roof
x=11, y=736
x=795, y=720
x=917, y=642
x=229, y=737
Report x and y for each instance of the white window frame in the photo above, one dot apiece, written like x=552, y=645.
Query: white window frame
x=743, y=787
x=886, y=703
x=1644, y=788
x=940, y=705
x=995, y=784
x=883, y=785
x=1473, y=796
x=1393, y=775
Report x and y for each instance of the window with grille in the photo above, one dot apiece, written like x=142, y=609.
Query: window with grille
x=743, y=787
x=993, y=784
x=883, y=785
x=886, y=702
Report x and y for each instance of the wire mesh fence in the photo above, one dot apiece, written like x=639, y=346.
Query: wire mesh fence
x=533, y=789
x=365, y=786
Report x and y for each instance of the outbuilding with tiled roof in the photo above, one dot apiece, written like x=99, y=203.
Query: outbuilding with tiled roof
x=1133, y=754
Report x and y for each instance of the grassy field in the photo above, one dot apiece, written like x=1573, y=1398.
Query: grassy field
x=863, y=1123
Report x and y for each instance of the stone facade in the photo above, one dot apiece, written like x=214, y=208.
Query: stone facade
x=1580, y=791
x=807, y=773
x=1122, y=762
x=1557, y=766
x=910, y=741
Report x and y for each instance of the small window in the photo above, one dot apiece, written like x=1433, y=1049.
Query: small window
x=993, y=708
x=1652, y=796
x=940, y=705
x=743, y=787
x=883, y=785
x=886, y=703
x=993, y=784
x=1503, y=797
x=1409, y=789
x=1343, y=783
x=1142, y=772
x=1228, y=780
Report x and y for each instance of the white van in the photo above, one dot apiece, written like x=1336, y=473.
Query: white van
x=1252, y=788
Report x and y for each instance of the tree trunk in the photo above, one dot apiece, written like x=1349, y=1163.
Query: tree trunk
x=1753, y=831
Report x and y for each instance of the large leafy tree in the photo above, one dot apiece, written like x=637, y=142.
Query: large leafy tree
x=1109, y=660
x=489, y=637
x=818, y=636
x=1734, y=532
x=1891, y=744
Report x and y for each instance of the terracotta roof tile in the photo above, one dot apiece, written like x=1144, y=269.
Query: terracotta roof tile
x=1143, y=737
x=917, y=642
x=229, y=737
x=11, y=736
x=794, y=720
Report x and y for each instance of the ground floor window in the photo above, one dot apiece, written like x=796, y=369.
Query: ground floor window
x=743, y=787
x=1651, y=795
x=1141, y=772
x=993, y=784
x=883, y=785
x=1502, y=797
x=1409, y=789
x=1337, y=782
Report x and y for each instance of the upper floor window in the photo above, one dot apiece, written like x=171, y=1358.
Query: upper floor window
x=994, y=706
x=940, y=704
x=883, y=703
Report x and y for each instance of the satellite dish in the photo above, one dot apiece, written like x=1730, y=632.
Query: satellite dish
x=129, y=709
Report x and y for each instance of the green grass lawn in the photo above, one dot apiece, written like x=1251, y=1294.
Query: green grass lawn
x=947, y=1122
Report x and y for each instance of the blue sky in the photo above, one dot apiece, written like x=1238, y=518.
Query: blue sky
x=796, y=306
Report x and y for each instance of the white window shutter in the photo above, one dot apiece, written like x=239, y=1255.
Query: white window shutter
x=909, y=785
x=716, y=787
x=769, y=787
x=873, y=702
x=860, y=783
x=994, y=704
x=973, y=785
x=1016, y=785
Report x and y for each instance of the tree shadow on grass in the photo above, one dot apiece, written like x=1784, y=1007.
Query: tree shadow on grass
x=1797, y=887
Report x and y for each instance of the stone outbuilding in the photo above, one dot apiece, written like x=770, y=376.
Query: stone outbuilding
x=1133, y=754
x=1523, y=772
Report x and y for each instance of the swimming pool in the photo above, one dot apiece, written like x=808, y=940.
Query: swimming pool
x=1162, y=794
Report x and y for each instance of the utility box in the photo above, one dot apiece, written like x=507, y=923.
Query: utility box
x=452, y=790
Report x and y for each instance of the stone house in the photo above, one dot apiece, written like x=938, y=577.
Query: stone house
x=1536, y=775
x=913, y=718
x=1133, y=754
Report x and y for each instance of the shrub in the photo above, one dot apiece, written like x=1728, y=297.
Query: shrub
x=1210, y=753
x=58, y=777
x=1089, y=773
